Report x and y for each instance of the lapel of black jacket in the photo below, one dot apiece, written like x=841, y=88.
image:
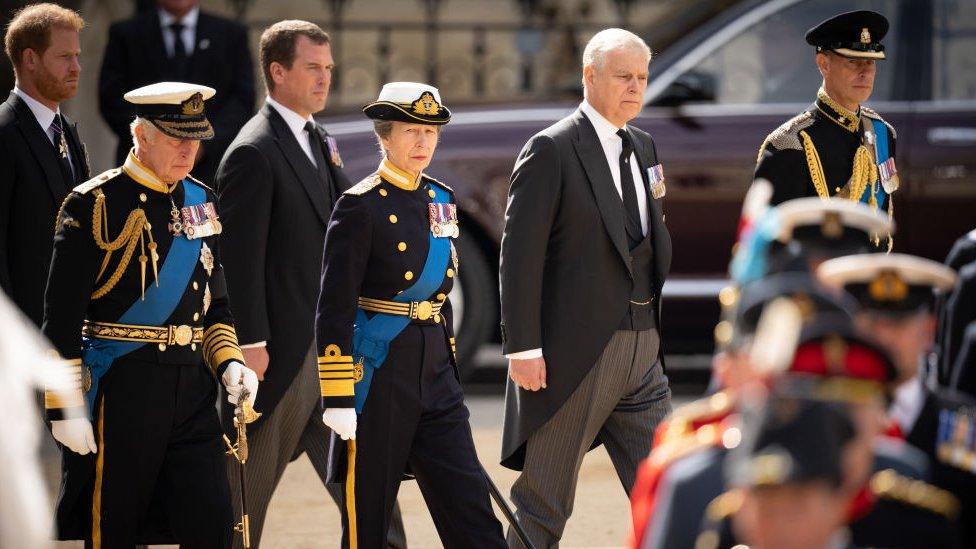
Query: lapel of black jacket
x=645, y=159
x=339, y=179
x=41, y=148
x=594, y=162
x=299, y=163
x=79, y=154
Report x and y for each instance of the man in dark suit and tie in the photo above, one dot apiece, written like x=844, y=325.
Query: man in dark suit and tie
x=41, y=156
x=584, y=257
x=178, y=42
x=277, y=183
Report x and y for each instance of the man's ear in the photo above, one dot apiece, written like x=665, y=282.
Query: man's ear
x=588, y=72
x=823, y=63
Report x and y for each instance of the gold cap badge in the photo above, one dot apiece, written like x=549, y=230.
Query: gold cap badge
x=865, y=36
x=193, y=105
x=426, y=105
x=888, y=286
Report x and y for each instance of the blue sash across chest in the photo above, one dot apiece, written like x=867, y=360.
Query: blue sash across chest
x=372, y=336
x=160, y=300
x=881, y=147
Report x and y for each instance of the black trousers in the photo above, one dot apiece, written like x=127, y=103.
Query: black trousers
x=415, y=421
x=159, y=452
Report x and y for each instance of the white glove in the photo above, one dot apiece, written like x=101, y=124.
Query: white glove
x=76, y=434
x=232, y=381
x=342, y=421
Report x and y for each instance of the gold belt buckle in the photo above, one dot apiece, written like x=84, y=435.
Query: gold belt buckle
x=181, y=335
x=422, y=310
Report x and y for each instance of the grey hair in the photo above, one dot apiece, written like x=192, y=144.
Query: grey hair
x=148, y=129
x=609, y=40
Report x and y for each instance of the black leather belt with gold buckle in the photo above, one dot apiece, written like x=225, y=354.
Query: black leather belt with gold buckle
x=416, y=310
x=182, y=335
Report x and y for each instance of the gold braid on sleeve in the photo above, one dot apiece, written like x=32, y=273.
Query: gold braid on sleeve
x=814, y=165
x=135, y=231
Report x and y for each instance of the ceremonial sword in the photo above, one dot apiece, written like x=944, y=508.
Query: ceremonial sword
x=244, y=413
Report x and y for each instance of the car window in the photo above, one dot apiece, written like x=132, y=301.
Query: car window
x=770, y=62
x=954, y=50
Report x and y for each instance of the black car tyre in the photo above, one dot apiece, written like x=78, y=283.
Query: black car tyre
x=475, y=303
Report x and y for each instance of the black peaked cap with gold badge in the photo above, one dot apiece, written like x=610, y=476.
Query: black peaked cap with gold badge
x=175, y=108
x=409, y=102
x=856, y=34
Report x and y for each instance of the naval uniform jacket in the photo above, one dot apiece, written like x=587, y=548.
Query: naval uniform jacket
x=376, y=247
x=825, y=135
x=566, y=276
x=103, y=205
x=32, y=188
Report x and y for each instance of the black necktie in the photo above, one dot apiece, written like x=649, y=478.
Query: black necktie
x=61, y=149
x=632, y=220
x=179, y=50
x=315, y=142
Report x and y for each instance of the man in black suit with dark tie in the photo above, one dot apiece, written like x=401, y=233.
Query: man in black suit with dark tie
x=41, y=156
x=277, y=184
x=178, y=42
x=584, y=257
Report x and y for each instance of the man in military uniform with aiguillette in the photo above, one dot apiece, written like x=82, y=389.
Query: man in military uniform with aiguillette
x=837, y=147
x=136, y=299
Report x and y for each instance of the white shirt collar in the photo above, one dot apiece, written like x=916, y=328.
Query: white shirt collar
x=189, y=20
x=43, y=114
x=604, y=128
x=907, y=404
x=294, y=120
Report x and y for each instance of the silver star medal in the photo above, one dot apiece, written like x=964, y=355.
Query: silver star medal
x=206, y=258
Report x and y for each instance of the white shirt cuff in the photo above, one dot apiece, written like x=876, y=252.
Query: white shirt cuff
x=525, y=355
x=255, y=345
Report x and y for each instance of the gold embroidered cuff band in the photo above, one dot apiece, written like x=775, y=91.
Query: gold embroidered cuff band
x=220, y=346
x=337, y=373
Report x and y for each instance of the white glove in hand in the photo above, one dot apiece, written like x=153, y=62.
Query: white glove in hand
x=232, y=381
x=76, y=434
x=342, y=421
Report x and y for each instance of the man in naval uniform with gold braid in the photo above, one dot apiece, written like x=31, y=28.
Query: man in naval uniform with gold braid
x=136, y=299
x=837, y=147
x=385, y=338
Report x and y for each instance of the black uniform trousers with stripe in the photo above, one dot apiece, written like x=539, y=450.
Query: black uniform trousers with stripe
x=415, y=421
x=160, y=465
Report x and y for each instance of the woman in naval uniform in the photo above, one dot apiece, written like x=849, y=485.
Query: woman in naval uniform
x=385, y=345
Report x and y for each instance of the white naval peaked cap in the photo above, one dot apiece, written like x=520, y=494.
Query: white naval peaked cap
x=167, y=93
x=406, y=92
x=816, y=211
x=865, y=268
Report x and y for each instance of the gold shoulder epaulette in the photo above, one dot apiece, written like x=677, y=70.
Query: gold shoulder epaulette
x=676, y=447
x=681, y=420
x=890, y=485
x=97, y=181
x=439, y=184
x=365, y=185
x=871, y=113
x=724, y=506
x=787, y=136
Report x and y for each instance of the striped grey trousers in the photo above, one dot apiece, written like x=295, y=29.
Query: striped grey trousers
x=621, y=400
x=294, y=427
